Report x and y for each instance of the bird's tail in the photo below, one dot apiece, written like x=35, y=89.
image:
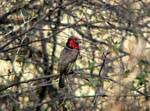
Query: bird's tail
x=62, y=81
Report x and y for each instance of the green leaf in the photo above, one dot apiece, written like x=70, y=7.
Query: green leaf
x=141, y=78
x=91, y=65
x=93, y=82
x=126, y=73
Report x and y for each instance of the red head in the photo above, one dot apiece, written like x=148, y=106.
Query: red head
x=73, y=42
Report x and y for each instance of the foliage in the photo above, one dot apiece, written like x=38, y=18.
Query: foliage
x=32, y=34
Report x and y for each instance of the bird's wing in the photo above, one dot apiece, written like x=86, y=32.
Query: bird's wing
x=67, y=59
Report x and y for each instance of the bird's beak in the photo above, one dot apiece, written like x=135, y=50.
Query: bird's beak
x=78, y=41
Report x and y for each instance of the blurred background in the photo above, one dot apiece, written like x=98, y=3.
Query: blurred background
x=112, y=72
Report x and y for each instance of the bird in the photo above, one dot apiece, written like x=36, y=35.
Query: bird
x=68, y=57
